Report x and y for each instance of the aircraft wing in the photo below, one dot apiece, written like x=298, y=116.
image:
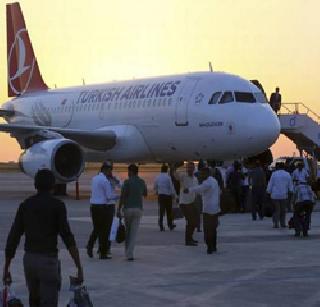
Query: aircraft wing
x=92, y=139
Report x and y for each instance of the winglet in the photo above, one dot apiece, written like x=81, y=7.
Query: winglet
x=23, y=70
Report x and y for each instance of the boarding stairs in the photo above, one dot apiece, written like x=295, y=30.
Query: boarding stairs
x=301, y=125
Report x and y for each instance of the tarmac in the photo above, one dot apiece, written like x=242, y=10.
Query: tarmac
x=255, y=265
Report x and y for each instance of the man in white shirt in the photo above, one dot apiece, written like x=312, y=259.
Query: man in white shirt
x=279, y=187
x=102, y=211
x=300, y=174
x=186, y=202
x=210, y=192
x=164, y=188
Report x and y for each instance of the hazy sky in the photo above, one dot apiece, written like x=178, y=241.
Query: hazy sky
x=274, y=41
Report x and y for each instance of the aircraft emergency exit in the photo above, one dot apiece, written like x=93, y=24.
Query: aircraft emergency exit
x=209, y=115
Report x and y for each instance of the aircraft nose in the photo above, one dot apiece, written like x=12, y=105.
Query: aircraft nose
x=264, y=128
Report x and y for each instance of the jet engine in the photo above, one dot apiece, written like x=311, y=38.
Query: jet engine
x=62, y=156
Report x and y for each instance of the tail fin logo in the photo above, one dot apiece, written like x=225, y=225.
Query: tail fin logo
x=20, y=64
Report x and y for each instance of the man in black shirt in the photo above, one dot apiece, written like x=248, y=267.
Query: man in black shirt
x=41, y=218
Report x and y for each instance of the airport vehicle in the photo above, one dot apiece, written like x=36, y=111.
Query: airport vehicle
x=209, y=115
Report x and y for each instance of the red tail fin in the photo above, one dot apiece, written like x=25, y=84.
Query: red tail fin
x=23, y=70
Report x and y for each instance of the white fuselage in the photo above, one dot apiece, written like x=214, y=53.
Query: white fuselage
x=158, y=119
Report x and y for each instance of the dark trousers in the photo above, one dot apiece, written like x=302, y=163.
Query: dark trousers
x=190, y=213
x=258, y=198
x=210, y=224
x=198, y=205
x=43, y=278
x=302, y=216
x=236, y=193
x=165, y=207
x=279, y=212
x=244, y=197
x=102, y=217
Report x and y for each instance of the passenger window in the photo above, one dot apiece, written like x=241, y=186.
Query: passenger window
x=227, y=97
x=244, y=97
x=215, y=98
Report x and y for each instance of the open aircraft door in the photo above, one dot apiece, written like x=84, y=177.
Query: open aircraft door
x=181, y=112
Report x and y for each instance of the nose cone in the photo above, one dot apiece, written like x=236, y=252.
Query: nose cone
x=264, y=129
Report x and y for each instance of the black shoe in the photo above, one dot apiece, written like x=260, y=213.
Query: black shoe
x=90, y=252
x=195, y=241
x=199, y=230
x=191, y=243
x=162, y=228
x=130, y=259
x=172, y=227
x=209, y=251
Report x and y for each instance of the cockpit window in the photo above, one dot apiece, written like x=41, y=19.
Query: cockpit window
x=215, y=97
x=260, y=97
x=226, y=97
x=245, y=97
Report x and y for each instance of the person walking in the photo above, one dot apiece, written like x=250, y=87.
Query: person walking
x=41, y=218
x=102, y=211
x=257, y=180
x=280, y=187
x=187, y=202
x=210, y=191
x=300, y=174
x=131, y=200
x=165, y=190
x=304, y=201
x=275, y=100
x=234, y=183
x=244, y=189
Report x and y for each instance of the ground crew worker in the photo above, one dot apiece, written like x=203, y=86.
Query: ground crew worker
x=41, y=218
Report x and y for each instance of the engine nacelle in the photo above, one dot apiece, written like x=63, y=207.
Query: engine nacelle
x=62, y=156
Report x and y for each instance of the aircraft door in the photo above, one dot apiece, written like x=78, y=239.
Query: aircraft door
x=181, y=111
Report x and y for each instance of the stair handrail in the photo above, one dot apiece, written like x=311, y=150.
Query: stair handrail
x=297, y=108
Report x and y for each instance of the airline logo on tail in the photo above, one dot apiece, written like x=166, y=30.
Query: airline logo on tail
x=20, y=65
x=23, y=70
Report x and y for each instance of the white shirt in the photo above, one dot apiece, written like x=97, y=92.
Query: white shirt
x=101, y=191
x=280, y=184
x=163, y=185
x=186, y=182
x=210, y=192
x=300, y=176
x=245, y=181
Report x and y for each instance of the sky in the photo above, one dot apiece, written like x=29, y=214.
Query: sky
x=276, y=42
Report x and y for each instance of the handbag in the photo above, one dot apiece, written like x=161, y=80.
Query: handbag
x=80, y=297
x=121, y=232
x=114, y=229
x=8, y=298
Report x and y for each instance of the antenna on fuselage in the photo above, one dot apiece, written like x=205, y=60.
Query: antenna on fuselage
x=83, y=81
x=210, y=67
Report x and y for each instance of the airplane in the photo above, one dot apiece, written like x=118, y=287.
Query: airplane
x=208, y=115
